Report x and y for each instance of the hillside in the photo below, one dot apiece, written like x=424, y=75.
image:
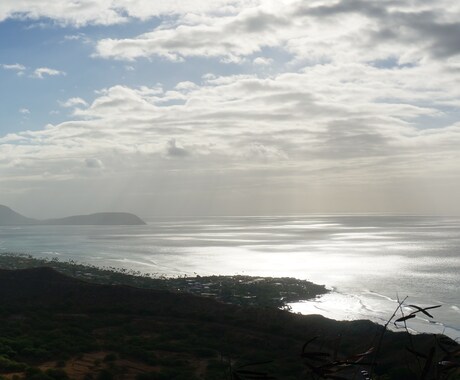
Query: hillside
x=9, y=217
x=50, y=320
x=103, y=218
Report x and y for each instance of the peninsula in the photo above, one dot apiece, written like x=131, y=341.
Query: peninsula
x=9, y=217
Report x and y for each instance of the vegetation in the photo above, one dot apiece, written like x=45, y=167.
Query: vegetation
x=240, y=290
x=438, y=359
x=56, y=327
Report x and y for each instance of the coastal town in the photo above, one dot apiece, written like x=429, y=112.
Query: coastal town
x=275, y=292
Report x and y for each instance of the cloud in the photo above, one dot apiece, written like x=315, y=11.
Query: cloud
x=174, y=150
x=234, y=29
x=24, y=111
x=15, y=67
x=109, y=12
x=42, y=72
x=421, y=29
x=343, y=127
x=76, y=37
x=73, y=37
x=94, y=163
x=262, y=61
x=73, y=102
x=324, y=115
x=360, y=101
x=75, y=13
x=338, y=31
x=227, y=36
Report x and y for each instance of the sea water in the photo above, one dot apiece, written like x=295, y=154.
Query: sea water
x=369, y=262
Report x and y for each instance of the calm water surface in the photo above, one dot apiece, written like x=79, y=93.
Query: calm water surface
x=368, y=261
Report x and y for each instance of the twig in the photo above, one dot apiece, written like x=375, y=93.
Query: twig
x=379, y=344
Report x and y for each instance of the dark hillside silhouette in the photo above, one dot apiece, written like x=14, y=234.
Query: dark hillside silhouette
x=140, y=324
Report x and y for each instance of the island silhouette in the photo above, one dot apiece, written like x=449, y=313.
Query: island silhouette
x=9, y=217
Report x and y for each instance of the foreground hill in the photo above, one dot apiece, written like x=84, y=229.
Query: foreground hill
x=54, y=326
x=9, y=217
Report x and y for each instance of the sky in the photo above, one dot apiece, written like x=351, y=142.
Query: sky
x=230, y=107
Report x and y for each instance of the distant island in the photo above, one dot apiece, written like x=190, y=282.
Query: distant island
x=9, y=217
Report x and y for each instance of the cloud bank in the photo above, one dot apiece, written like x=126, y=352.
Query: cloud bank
x=356, y=30
x=359, y=114
x=325, y=125
x=108, y=12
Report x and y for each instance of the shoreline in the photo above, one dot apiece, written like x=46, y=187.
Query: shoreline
x=275, y=292
x=389, y=256
x=152, y=330
x=306, y=298
x=339, y=307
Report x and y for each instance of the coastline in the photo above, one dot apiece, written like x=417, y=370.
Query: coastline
x=348, y=307
x=306, y=298
x=417, y=257
x=155, y=330
x=258, y=291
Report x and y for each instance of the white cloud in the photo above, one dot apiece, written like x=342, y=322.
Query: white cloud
x=82, y=37
x=73, y=102
x=72, y=37
x=368, y=103
x=15, y=67
x=312, y=32
x=228, y=36
x=24, y=111
x=348, y=127
x=325, y=115
x=107, y=12
x=42, y=72
x=186, y=86
x=262, y=61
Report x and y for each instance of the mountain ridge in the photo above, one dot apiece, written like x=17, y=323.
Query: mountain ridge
x=9, y=217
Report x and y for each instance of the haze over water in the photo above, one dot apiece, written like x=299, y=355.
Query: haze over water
x=368, y=261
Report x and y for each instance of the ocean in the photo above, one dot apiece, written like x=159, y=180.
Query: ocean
x=369, y=262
